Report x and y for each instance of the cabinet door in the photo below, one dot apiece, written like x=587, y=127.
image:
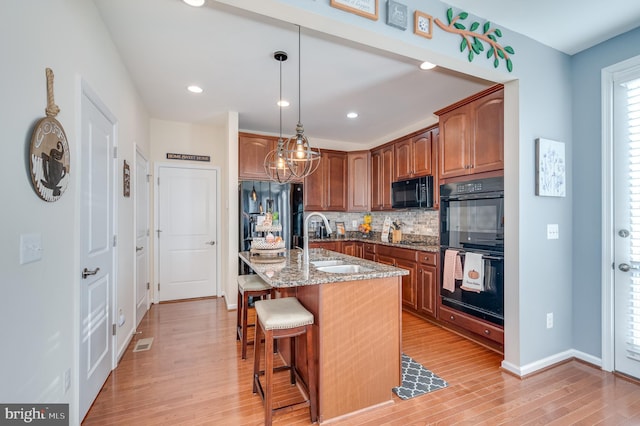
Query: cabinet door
x=409, y=282
x=349, y=247
x=376, y=180
x=335, y=180
x=252, y=150
x=387, y=177
x=487, y=151
x=359, y=187
x=427, y=287
x=314, y=189
x=421, y=154
x=327, y=245
x=403, y=160
x=454, y=143
x=435, y=146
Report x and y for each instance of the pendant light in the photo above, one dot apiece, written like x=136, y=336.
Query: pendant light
x=302, y=158
x=275, y=163
x=254, y=194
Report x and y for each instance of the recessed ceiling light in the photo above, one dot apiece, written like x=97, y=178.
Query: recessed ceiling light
x=194, y=3
x=352, y=115
x=427, y=66
x=283, y=103
x=194, y=89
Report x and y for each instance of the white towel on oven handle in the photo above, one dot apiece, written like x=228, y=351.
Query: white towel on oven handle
x=473, y=275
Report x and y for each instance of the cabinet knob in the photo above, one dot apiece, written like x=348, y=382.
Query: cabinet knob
x=452, y=318
x=487, y=331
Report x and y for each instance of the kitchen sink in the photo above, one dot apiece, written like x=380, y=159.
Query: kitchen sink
x=318, y=263
x=344, y=269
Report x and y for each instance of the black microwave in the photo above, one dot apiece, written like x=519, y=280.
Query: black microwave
x=409, y=193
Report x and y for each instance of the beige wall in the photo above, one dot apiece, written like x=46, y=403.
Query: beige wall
x=212, y=140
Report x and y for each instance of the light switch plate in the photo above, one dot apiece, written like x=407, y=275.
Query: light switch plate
x=30, y=248
x=552, y=231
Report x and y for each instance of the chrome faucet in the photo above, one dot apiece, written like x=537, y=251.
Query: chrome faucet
x=306, y=233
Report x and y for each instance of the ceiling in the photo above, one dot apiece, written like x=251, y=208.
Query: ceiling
x=167, y=46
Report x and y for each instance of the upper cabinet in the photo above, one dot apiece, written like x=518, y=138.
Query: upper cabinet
x=381, y=177
x=413, y=156
x=472, y=135
x=252, y=150
x=326, y=188
x=359, y=186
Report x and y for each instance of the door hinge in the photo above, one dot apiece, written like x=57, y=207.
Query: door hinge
x=115, y=152
x=113, y=329
x=158, y=286
x=158, y=180
x=148, y=286
x=148, y=177
x=115, y=240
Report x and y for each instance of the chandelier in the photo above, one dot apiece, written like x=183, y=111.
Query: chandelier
x=295, y=158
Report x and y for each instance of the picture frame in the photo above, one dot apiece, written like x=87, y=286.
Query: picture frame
x=365, y=8
x=397, y=14
x=126, y=179
x=340, y=229
x=422, y=24
x=550, y=168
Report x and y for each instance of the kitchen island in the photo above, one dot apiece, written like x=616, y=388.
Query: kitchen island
x=357, y=328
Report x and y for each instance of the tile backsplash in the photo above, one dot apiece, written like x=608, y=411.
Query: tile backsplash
x=413, y=222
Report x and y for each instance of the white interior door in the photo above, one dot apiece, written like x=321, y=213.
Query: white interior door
x=626, y=130
x=142, y=236
x=96, y=250
x=187, y=224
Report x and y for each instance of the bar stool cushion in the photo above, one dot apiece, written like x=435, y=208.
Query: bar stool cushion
x=283, y=313
x=251, y=283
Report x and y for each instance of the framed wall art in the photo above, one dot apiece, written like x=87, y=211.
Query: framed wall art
x=550, y=168
x=340, y=229
x=422, y=24
x=397, y=14
x=365, y=8
x=126, y=179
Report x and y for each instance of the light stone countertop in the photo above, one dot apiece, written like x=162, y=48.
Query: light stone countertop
x=292, y=271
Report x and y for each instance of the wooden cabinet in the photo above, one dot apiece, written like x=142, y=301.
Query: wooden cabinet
x=252, y=150
x=369, y=251
x=472, y=135
x=325, y=189
x=352, y=248
x=471, y=324
x=405, y=259
x=327, y=245
x=381, y=177
x=427, y=283
x=359, y=186
x=413, y=156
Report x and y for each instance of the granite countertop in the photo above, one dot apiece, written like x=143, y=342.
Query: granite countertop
x=430, y=245
x=292, y=271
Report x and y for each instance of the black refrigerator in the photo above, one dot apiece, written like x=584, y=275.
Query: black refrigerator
x=259, y=197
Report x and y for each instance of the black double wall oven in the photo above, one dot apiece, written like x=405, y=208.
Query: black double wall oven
x=472, y=221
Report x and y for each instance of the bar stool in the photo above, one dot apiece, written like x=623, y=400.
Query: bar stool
x=277, y=319
x=248, y=286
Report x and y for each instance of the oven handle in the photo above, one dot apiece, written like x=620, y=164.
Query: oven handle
x=476, y=196
x=484, y=256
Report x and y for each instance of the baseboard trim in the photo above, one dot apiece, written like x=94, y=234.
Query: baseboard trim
x=550, y=361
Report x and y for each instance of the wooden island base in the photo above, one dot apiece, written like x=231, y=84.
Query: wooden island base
x=357, y=331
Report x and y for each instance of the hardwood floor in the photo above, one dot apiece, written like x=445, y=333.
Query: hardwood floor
x=193, y=375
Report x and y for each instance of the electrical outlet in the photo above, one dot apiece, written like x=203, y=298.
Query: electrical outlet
x=550, y=320
x=354, y=224
x=67, y=380
x=552, y=231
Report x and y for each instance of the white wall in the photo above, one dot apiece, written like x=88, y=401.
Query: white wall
x=39, y=301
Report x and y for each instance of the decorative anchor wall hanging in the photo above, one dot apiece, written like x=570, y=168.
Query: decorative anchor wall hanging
x=49, y=152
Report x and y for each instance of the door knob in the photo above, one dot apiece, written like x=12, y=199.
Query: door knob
x=211, y=243
x=86, y=272
x=623, y=233
x=624, y=267
x=139, y=248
